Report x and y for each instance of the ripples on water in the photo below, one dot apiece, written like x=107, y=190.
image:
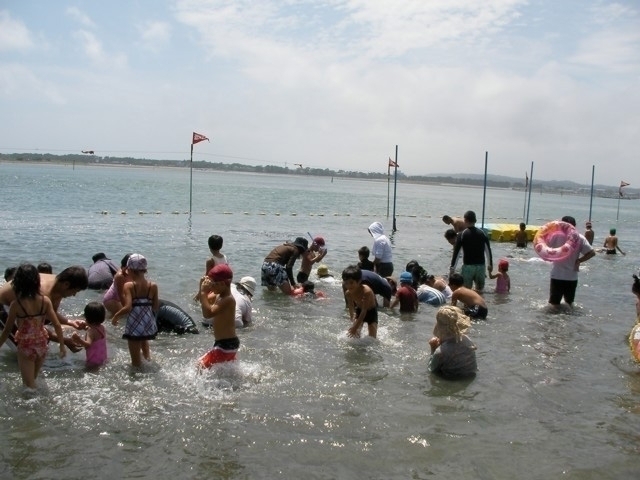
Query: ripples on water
x=556, y=395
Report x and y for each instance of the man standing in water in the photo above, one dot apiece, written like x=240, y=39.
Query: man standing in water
x=474, y=244
x=564, y=273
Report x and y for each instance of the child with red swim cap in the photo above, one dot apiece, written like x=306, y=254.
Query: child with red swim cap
x=218, y=304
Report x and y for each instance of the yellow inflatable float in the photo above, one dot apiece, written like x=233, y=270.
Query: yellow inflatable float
x=506, y=232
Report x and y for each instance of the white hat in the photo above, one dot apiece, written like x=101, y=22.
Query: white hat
x=249, y=284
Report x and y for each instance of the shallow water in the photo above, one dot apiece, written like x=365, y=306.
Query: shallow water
x=555, y=395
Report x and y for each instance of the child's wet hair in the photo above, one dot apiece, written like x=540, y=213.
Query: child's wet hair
x=352, y=272
x=125, y=259
x=215, y=242
x=364, y=252
x=94, y=313
x=26, y=281
x=456, y=280
x=44, y=267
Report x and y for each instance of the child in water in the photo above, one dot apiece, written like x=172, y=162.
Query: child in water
x=406, y=296
x=29, y=311
x=453, y=354
x=363, y=256
x=140, y=304
x=634, y=336
x=474, y=304
x=361, y=301
x=95, y=340
x=307, y=289
x=217, y=303
x=503, y=281
x=521, y=236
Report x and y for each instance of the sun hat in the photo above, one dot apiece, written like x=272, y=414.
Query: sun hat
x=450, y=322
x=136, y=262
x=319, y=241
x=406, y=277
x=249, y=284
x=301, y=243
x=220, y=273
x=323, y=271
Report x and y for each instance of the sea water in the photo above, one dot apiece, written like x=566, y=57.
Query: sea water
x=556, y=395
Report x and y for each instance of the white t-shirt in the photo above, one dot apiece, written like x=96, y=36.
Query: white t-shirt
x=566, y=269
x=243, y=307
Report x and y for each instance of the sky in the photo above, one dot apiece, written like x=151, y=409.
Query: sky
x=334, y=84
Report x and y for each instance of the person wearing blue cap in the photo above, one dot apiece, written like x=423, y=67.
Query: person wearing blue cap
x=406, y=296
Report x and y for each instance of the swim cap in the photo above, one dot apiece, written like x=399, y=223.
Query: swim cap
x=406, y=277
x=220, y=273
x=323, y=271
x=503, y=264
x=319, y=241
x=136, y=262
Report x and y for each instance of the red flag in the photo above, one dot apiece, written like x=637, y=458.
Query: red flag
x=392, y=163
x=198, y=138
x=622, y=184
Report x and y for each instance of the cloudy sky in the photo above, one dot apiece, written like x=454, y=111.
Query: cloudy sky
x=330, y=83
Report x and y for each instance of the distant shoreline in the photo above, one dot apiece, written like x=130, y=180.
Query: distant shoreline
x=541, y=187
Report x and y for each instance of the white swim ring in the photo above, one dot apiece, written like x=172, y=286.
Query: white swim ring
x=556, y=241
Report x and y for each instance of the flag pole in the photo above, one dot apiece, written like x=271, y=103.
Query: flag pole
x=388, y=185
x=530, y=188
x=191, y=179
x=395, y=188
x=484, y=193
x=526, y=189
x=195, y=138
x=593, y=172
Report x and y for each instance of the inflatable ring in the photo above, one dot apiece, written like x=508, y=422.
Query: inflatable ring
x=171, y=318
x=634, y=342
x=556, y=241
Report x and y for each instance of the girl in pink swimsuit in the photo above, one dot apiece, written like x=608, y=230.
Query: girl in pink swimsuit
x=29, y=311
x=95, y=340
